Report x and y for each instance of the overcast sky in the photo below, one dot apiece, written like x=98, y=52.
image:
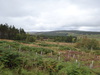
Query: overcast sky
x=45, y=15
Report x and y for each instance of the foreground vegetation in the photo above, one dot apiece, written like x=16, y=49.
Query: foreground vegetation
x=43, y=58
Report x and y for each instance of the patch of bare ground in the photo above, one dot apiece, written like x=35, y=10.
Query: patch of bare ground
x=60, y=43
x=32, y=45
x=6, y=40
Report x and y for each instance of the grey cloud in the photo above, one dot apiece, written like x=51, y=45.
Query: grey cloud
x=51, y=14
x=86, y=3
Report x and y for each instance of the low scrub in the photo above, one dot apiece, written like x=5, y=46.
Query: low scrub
x=88, y=44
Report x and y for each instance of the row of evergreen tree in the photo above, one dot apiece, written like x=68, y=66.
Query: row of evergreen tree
x=10, y=32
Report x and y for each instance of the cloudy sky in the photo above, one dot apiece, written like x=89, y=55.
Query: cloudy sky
x=45, y=15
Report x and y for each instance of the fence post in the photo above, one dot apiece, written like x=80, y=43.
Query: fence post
x=76, y=60
x=19, y=48
x=9, y=47
x=59, y=56
x=51, y=53
x=36, y=53
x=74, y=56
x=41, y=53
x=91, y=65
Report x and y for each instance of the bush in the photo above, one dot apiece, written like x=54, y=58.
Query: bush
x=88, y=44
x=30, y=39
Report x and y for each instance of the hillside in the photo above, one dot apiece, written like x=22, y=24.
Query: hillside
x=65, y=32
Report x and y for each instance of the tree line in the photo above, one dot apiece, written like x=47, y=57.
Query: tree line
x=70, y=39
x=10, y=32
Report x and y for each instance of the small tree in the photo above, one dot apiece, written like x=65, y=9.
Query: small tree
x=30, y=38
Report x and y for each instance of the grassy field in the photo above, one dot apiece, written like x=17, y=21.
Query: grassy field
x=47, y=58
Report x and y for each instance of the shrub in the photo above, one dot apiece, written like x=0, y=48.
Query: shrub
x=66, y=48
x=30, y=39
x=88, y=43
x=75, y=69
x=10, y=59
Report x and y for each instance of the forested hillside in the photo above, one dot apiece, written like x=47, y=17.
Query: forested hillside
x=65, y=33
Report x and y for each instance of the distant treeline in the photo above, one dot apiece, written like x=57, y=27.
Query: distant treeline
x=10, y=32
x=66, y=32
x=57, y=38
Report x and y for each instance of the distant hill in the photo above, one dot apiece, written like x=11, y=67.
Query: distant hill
x=65, y=33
